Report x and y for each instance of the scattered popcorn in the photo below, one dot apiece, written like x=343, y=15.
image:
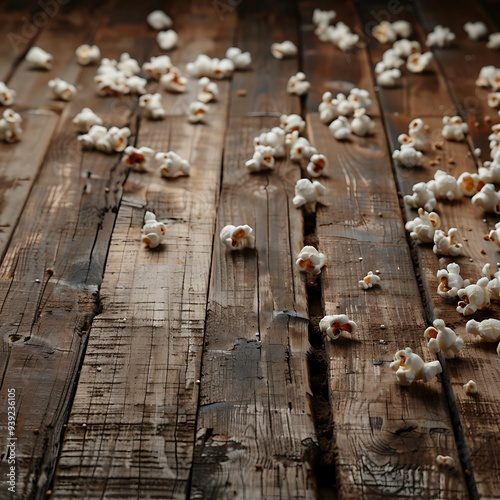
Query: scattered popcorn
x=445, y=243
x=317, y=165
x=275, y=138
x=241, y=60
x=488, y=329
x=418, y=63
x=422, y=228
x=494, y=234
x=344, y=39
x=172, y=165
x=493, y=283
x=85, y=119
x=6, y=95
x=322, y=19
x=454, y=128
x=327, y=109
x=488, y=199
x=107, y=141
x=469, y=183
x=61, y=89
x=334, y=325
x=139, y=159
x=390, y=59
x=207, y=90
x=292, y=122
x=450, y=281
x=302, y=149
x=362, y=124
x=152, y=231
x=389, y=78
x=10, y=126
x=419, y=132
x=237, y=237
x=340, y=128
x=444, y=186
x=405, y=48
x=173, y=81
x=137, y=85
x=158, y=20
x=407, y=156
x=402, y=28
x=128, y=65
x=284, y=49
x=307, y=191
x=152, y=105
x=167, y=40
x=262, y=159
x=470, y=387
x=444, y=339
x=410, y=367
x=476, y=30
x=297, y=84
x=369, y=281
x=213, y=68
x=38, y=58
x=197, y=112
x=474, y=297
x=440, y=37
x=494, y=100
x=310, y=260
x=422, y=197
x=157, y=66
x=494, y=41
x=489, y=173
x=445, y=461
x=384, y=32
x=489, y=76
x=359, y=98
x=343, y=105
x=88, y=54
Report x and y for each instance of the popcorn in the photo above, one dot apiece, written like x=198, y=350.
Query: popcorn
x=450, y=281
x=476, y=30
x=407, y=156
x=317, y=165
x=343, y=38
x=343, y=105
x=418, y=63
x=405, y=140
x=454, y=128
x=470, y=387
x=444, y=186
x=173, y=81
x=107, y=66
x=107, y=141
x=128, y=65
x=297, y=84
x=334, y=325
x=489, y=173
x=322, y=18
x=207, y=90
x=422, y=197
x=405, y=48
x=384, y=32
x=402, y=28
x=474, y=297
x=157, y=66
x=197, y=112
x=362, y=124
x=390, y=59
x=488, y=329
x=493, y=283
x=38, y=58
x=494, y=100
x=172, y=165
x=489, y=76
x=284, y=49
x=327, y=110
x=139, y=159
x=10, y=126
x=152, y=105
x=440, y=37
x=410, y=367
x=494, y=234
x=310, y=260
x=152, y=231
x=469, y=183
x=6, y=95
x=369, y=281
x=292, y=122
x=241, y=60
x=302, y=149
x=275, y=138
x=307, y=192
x=422, y=228
x=359, y=98
x=136, y=85
x=237, y=237
x=95, y=133
x=389, y=78
x=445, y=243
x=167, y=40
x=158, y=20
x=111, y=83
x=488, y=199
x=61, y=89
x=445, y=461
x=213, y=68
x=85, y=119
x=340, y=128
x=262, y=159
x=444, y=339
x=88, y=54
x=494, y=41
x=418, y=131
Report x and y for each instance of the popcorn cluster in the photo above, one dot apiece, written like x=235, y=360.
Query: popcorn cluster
x=6, y=95
x=339, y=34
x=107, y=141
x=10, y=126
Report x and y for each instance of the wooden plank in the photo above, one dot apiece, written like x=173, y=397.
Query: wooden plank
x=255, y=434
x=136, y=437
x=387, y=437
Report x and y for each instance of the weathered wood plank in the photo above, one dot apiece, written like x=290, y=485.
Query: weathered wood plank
x=387, y=437
x=255, y=433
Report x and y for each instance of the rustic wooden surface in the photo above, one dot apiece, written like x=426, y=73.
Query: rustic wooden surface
x=190, y=372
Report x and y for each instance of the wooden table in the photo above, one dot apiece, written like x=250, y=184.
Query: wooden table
x=191, y=372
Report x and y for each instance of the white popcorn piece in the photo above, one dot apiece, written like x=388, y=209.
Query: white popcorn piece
x=347, y=41
x=454, y=128
x=307, y=191
x=237, y=237
x=488, y=199
x=167, y=40
x=262, y=159
x=410, y=367
x=344, y=106
x=444, y=339
x=418, y=63
x=302, y=149
x=111, y=83
x=207, y=90
x=85, y=119
x=292, y=122
x=470, y=388
x=450, y=281
x=407, y=156
x=107, y=141
x=173, y=81
x=422, y=228
x=39, y=58
x=474, y=297
x=390, y=59
x=369, y=281
x=171, y=165
x=494, y=100
x=444, y=186
x=213, y=68
x=310, y=260
x=10, y=126
x=284, y=49
x=334, y=325
x=88, y=54
x=136, y=85
x=405, y=47
x=359, y=98
x=489, y=76
x=94, y=134
x=158, y=20
x=157, y=66
x=297, y=84
x=493, y=283
x=128, y=65
x=323, y=17
x=362, y=124
x=494, y=234
x=488, y=329
x=489, y=173
x=440, y=36
x=152, y=231
x=340, y=128
x=197, y=112
x=275, y=138
x=389, y=78
x=406, y=141
x=419, y=132
x=152, y=105
x=402, y=28
x=384, y=33
x=107, y=66
x=139, y=159
x=422, y=197
x=470, y=183
x=6, y=95
x=445, y=461
x=241, y=60
x=62, y=89
x=476, y=30
x=494, y=41
x=327, y=109
x=317, y=165
x=445, y=243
